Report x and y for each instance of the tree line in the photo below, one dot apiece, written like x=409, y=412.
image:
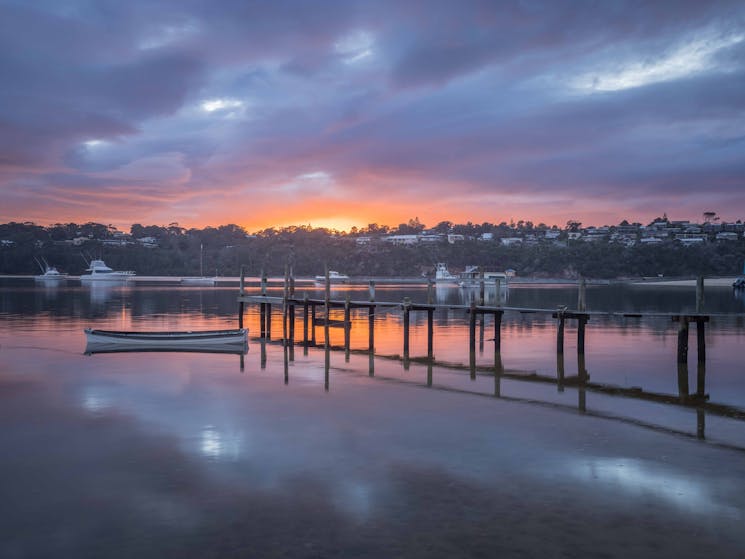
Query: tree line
x=308, y=250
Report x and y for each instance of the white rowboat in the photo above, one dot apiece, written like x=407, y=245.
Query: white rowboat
x=214, y=341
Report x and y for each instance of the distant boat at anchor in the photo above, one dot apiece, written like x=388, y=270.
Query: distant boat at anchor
x=443, y=275
x=99, y=271
x=201, y=280
x=50, y=273
x=334, y=277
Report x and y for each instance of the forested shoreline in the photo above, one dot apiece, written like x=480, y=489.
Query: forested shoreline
x=173, y=250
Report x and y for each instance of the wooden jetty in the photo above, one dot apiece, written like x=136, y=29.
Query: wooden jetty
x=288, y=303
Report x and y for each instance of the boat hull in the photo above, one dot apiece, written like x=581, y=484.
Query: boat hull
x=210, y=341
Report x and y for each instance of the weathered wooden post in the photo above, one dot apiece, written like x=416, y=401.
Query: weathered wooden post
x=560, y=332
x=371, y=329
x=262, y=320
x=327, y=299
x=560, y=372
x=701, y=380
x=347, y=327
x=482, y=320
x=481, y=287
x=263, y=282
x=498, y=331
x=700, y=294
x=683, y=391
x=313, y=324
x=241, y=292
x=581, y=322
x=497, y=292
x=242, y=281
x=291, y=311
x=430, y=291
x=242, y=364
x=305, y=321
x=285, y=290
x=371, y=289
x=286, y=362
x=498, y=371
x=430, y=334
x=682, y=339
x=472, y=340
x=268, y=321
x=581, y=295
x=701, y=339
x=263, y=353
x=407, y=310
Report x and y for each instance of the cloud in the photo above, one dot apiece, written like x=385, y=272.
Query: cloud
x=191, y=106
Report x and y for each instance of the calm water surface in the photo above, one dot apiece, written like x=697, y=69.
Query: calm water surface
x=192, y=455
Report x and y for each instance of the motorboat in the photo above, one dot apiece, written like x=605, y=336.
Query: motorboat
x=211, y=341
x=99, y=271
x=49, y=273
x=334, y=277
x=443, y=275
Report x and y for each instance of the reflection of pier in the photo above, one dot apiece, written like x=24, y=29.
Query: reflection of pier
x=318, y=312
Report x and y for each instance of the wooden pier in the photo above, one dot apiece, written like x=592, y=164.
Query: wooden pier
x=317, y=312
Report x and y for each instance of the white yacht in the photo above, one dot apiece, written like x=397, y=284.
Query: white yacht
x=334, y=277
x=443, y=275
x=200, y=280
x=99, y=271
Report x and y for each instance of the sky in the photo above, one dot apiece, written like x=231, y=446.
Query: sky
x=342, y=113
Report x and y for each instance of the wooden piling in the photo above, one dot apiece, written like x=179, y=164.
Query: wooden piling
x=472, y=341
x=240, y=315
x=560, y=333
x=498, y=371
x=682, y=339
x=371, y=330
x=263, y=353
x=482, y=319
x=371, y=289
x=581, y=295
x=430, y=291
x=268, y=332
x=347, y=327
x=560, y=372
x=481, y=288
x=701, y=380
x=305, y=319
x=407, y=311
x=262, y=320
x=313, y=324
x=430, y=334
x=683, y=390
x=242, y=281
x=498, y=331
x=581, y=322
x=700, y=294
x=701, y=340
x=582, y=374
x=263, y=282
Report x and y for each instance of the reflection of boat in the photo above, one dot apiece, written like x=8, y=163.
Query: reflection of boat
x=443, y=275
x=472, y=276
x=50, y=273
x=214, y=341
x=201, y=280
x=334, y=277
x=99, y=271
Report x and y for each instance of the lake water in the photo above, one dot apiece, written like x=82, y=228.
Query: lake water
x=205, y=455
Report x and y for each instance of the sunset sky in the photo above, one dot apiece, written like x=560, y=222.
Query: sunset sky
x=348, y=113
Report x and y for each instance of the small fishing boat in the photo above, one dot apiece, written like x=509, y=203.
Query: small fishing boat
x=212, y=341
x=443, y=275
x=334, y=277
x=49, y=273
